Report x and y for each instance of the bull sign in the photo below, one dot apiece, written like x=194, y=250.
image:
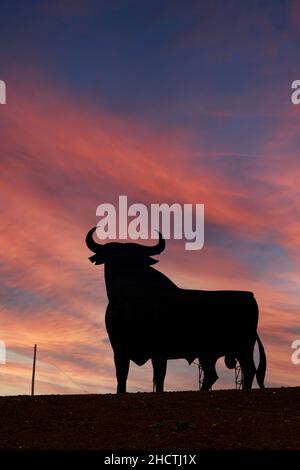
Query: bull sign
x=149, y=317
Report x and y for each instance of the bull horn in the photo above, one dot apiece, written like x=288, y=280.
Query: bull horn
x=158, y=248
x=90, y=242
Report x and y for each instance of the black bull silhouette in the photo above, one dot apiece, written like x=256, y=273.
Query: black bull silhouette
x=149, y=317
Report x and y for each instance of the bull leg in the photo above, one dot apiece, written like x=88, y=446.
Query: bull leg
x=210, y=374
x=159, y=373
x=248, y=368
x=122, y=368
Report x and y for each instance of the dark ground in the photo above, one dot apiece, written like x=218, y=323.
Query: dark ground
x=256, y=419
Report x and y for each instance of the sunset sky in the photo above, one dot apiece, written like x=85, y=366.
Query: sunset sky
x=164, y=101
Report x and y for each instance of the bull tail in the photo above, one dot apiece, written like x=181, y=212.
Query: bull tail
x=261, y=370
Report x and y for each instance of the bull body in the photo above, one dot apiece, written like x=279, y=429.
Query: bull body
x=149, y=317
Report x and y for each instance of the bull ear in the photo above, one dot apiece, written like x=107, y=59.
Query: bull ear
x=158, y=248
x=91, y=244
x=96, y=259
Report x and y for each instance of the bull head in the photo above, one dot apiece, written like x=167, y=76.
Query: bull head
x=114, y=252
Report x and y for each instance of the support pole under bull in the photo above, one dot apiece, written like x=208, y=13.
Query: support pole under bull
x=201, y=374
x=239, y=377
